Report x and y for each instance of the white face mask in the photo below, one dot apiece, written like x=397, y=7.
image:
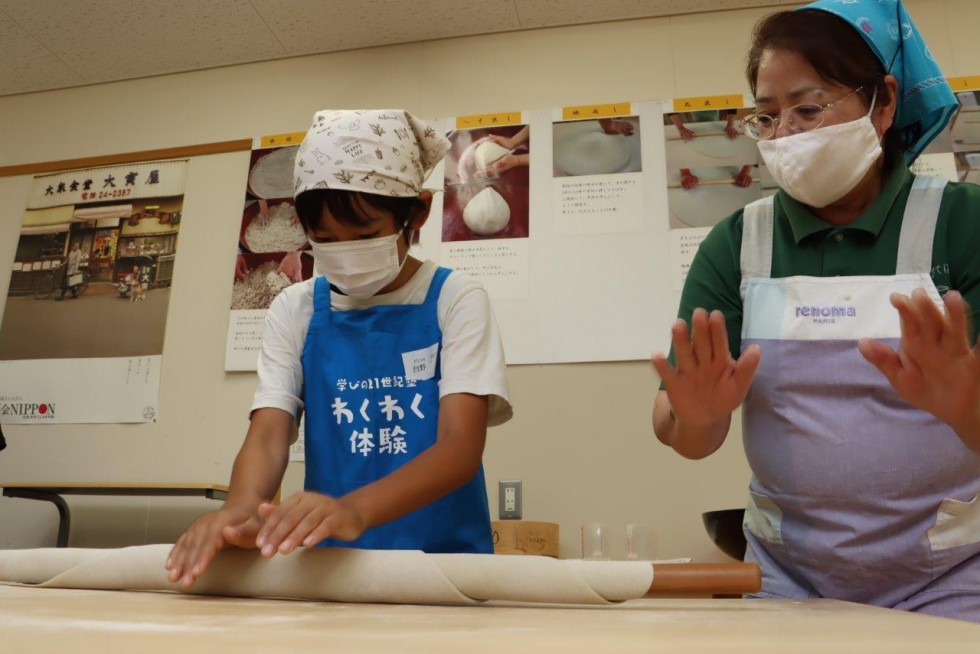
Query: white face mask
x=359, y=268
x=823, y=165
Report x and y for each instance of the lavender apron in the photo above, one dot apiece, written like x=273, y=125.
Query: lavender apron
x=855, y=494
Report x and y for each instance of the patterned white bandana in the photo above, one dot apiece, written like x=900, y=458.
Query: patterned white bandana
x=379, y=151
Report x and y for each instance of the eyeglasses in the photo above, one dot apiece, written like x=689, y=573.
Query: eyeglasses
x=799, y=118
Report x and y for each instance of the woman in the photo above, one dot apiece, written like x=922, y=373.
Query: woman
x=865, y=475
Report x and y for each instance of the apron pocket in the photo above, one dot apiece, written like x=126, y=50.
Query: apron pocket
x=764, y=519
x=957, y=524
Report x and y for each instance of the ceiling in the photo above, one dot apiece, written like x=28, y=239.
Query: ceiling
x=51, y=44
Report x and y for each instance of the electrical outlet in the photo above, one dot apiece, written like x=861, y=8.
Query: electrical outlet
x=509, y=500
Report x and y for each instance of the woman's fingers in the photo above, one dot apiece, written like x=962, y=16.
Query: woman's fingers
x=721, y=355
x=664, y=369
x=701, y=338
x=881, y=357
x=956, y=333
x=682, y=346
x=746, y=366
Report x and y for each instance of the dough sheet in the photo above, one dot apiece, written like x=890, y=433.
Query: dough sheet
x=340, y=575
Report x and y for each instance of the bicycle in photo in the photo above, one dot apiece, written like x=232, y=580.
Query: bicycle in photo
x=50, y=282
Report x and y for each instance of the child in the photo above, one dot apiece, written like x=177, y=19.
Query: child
x=397, y=363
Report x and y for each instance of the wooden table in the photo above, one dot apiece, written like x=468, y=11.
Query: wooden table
x=52, y=492
x=104, y=622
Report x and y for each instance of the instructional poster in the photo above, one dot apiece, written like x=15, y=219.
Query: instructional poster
x=713, y=170
x=272, y=246
x=955, y=154
x=597, y=168
x=86, y=311
x=486, y=210
x=560, y=213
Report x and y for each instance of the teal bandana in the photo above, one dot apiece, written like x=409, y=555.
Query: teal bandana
x=926, y=102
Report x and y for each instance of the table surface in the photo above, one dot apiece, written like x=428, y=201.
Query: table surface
x=83, y=621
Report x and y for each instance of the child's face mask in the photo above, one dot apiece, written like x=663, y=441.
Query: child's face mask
x=359, y=268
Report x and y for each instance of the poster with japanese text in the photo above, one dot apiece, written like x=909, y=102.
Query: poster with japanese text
x=955, y=153
x=597, y=169
x=272, y=246
x=86, y=310
x=566, y=229
x=485, y=212
x=713, y=170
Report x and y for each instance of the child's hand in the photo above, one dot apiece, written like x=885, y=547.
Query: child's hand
x=304, y=520
x=209, y=534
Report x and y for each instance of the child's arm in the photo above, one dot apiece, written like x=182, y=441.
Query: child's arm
x=255, y=477
x=307, y=518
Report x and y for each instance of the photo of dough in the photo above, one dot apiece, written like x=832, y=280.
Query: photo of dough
x=487, y=154
x=703, y=139
x=604, y=146
x=270, y=173
x=487, y=184
x=487, y=213
x=716, y=194
x=271, y=227
x=260, y=277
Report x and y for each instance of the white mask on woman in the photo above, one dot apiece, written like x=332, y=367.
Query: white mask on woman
x=823, y=165
x=359, y=268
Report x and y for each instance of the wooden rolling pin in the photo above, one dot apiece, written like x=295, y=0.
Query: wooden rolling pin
x=705, y=579
x=678, y=137
x=709, y=182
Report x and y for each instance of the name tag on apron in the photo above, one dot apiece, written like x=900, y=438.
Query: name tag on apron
x=421, y=364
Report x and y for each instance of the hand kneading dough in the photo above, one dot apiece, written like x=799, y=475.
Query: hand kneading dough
x=487, y=213
x=593, y=153
x=488, y=152
x=340, y=575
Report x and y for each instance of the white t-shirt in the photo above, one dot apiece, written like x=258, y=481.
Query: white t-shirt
x=471, y=361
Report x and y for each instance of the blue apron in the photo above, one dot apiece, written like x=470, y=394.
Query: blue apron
x=371, y=389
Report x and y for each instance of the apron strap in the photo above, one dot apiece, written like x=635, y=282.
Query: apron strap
x=757, y=226
x=321, y=294
x=919, y=225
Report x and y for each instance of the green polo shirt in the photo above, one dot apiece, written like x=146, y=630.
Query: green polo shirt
x=803, y=244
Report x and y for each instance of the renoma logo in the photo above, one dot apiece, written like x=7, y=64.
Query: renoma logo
x=27, y=410
x=825, y=314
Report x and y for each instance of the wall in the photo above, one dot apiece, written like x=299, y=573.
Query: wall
x=581, y=439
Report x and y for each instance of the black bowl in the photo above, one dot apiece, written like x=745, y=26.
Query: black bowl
x=725, y=530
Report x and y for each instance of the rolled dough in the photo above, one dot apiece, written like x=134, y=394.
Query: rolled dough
x=341, y=575
x=708, y=204
x=710, y=147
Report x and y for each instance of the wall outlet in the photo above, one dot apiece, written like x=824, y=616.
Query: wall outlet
x=509, y=499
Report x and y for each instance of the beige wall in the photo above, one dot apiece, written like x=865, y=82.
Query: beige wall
x=581, y=438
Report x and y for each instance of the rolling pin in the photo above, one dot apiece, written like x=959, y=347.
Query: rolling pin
x=705, y=578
